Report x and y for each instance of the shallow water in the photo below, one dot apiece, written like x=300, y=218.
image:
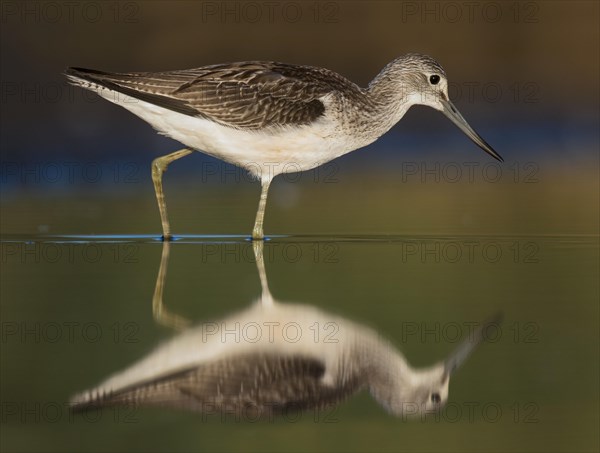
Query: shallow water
x=77, y=308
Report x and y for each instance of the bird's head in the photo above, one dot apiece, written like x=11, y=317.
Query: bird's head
x=406, y=392
x=420, y=80
x=427, y=392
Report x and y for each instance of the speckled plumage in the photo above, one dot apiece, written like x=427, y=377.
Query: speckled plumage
x=272, y=118
x=249, y=95
x=208, y=373
x=252, y=385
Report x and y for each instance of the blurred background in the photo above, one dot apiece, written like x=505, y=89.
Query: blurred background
x=524, y=74
x=75, y=180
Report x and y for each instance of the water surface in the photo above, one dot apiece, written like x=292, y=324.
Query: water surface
x=77, y=308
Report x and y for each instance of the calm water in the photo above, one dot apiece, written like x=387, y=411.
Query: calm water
x=418, y=237
x=76, y=309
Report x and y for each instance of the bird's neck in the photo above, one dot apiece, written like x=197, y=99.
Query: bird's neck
x=389, y=375
x=385, y=368
x=384, y=105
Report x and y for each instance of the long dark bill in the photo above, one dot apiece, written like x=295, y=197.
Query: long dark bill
x=464, y=350
x=451, y=112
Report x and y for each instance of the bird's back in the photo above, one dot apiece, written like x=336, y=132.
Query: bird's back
x=247, y=95
x=255, y=385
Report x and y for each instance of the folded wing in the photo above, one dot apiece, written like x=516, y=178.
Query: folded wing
x=249, y=95
x=253, y=385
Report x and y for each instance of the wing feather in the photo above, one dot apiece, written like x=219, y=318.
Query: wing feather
x=249, y=95
x=254, y=384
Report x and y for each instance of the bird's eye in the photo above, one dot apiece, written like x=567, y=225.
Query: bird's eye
x=434, y=79
x=436, y=398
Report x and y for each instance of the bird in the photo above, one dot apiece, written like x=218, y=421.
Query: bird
x=271, y=118
x=277, y=359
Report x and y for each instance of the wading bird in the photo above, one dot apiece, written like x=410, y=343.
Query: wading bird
x=271, y=118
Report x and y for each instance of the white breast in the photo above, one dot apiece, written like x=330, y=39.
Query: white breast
x=284, y=329
x=265, y=154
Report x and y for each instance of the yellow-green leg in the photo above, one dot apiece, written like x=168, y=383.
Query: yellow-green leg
x=259, y=255
x=257, y=231
x=161, y=314
x=159, y=166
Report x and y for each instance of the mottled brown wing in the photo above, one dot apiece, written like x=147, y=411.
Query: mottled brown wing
x=252, y=386
x=249, y=95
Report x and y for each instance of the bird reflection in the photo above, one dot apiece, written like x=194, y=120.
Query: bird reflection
x=273, y=358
